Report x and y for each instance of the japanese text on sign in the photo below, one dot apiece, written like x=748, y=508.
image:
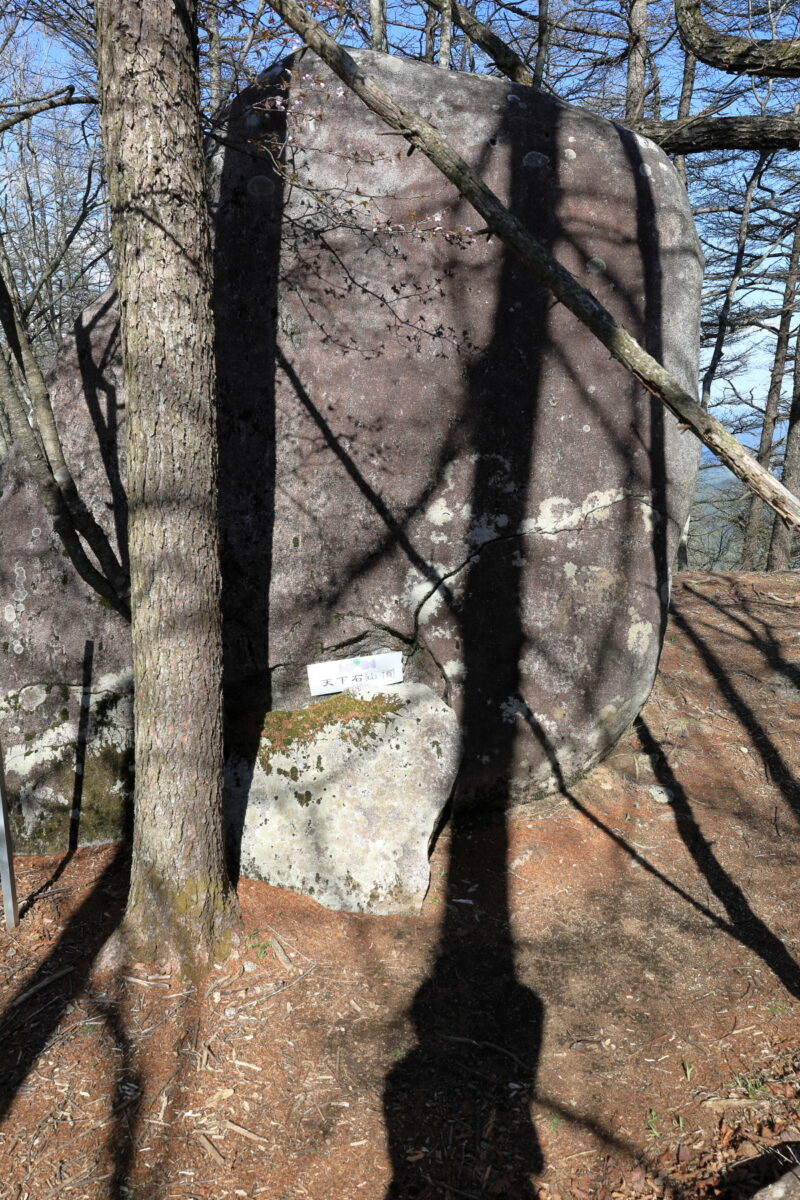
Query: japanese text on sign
x=369, y=671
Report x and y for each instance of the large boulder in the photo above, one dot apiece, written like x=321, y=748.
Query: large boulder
x=419, y=450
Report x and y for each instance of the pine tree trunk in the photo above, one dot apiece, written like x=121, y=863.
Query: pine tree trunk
x=780, y=549
x=180, y=901
x=637, y=60
x=750, y=543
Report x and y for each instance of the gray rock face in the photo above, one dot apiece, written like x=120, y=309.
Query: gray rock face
x=65, y=682
x=419, y=451
x=345, y=797
x=457, y=464
x=785, y=1188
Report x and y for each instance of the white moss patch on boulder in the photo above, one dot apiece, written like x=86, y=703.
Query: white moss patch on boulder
x=346, y=795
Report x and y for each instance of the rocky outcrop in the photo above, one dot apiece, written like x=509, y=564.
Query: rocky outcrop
x=344, y=796
x=418, y=450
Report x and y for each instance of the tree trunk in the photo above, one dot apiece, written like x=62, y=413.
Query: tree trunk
x=685, y=107
x=445, y=39
x=637, y=60
x=430, y=35
x=377, y=13
x=215, y=93
x=780, y=550
x=180, y=903
x=723, y=316
x=755, y=510
x=542, y=44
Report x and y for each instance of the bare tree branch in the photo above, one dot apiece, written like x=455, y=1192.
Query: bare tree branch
x=71, y=508
x=504, y=58
x=737, y=55
x=698, y=134
x=60, y=100
x=694, y=135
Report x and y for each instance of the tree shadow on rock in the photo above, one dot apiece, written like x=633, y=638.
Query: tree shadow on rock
x=247, y=186
x=458, y=1106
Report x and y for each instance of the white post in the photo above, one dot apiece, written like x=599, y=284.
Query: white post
x=7, y=857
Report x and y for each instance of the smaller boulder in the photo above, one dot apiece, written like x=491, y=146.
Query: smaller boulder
x=345, y=796
x=785, y=1188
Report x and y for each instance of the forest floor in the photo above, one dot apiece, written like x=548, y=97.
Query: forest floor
x=601, y=1000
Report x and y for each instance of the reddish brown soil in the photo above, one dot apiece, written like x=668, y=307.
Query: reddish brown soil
x=598, y=999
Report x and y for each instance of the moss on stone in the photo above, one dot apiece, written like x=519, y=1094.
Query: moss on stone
x=356, y=717
x=105, y=798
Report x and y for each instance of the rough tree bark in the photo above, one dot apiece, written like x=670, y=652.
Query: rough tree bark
x=500, y=221
x=635, y=83
x=180, y=904
x=542, y=44
x=377, y=13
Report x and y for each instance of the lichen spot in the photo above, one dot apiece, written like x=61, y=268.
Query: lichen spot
x=10, y=614
x=438, y=513
x=640, y=635
x=570, y=570
x=607, y=714
x=534, y=160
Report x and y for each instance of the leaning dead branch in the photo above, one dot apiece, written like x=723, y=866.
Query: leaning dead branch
x=499, y=220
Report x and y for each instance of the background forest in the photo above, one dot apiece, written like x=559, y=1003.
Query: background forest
x=733, y=139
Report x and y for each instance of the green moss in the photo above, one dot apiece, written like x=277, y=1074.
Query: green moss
x=283, y=728
x=356, y=719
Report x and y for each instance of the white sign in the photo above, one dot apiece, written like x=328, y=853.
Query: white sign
x=370, y=670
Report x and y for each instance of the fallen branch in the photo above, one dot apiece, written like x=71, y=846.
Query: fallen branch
x=499, y=220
